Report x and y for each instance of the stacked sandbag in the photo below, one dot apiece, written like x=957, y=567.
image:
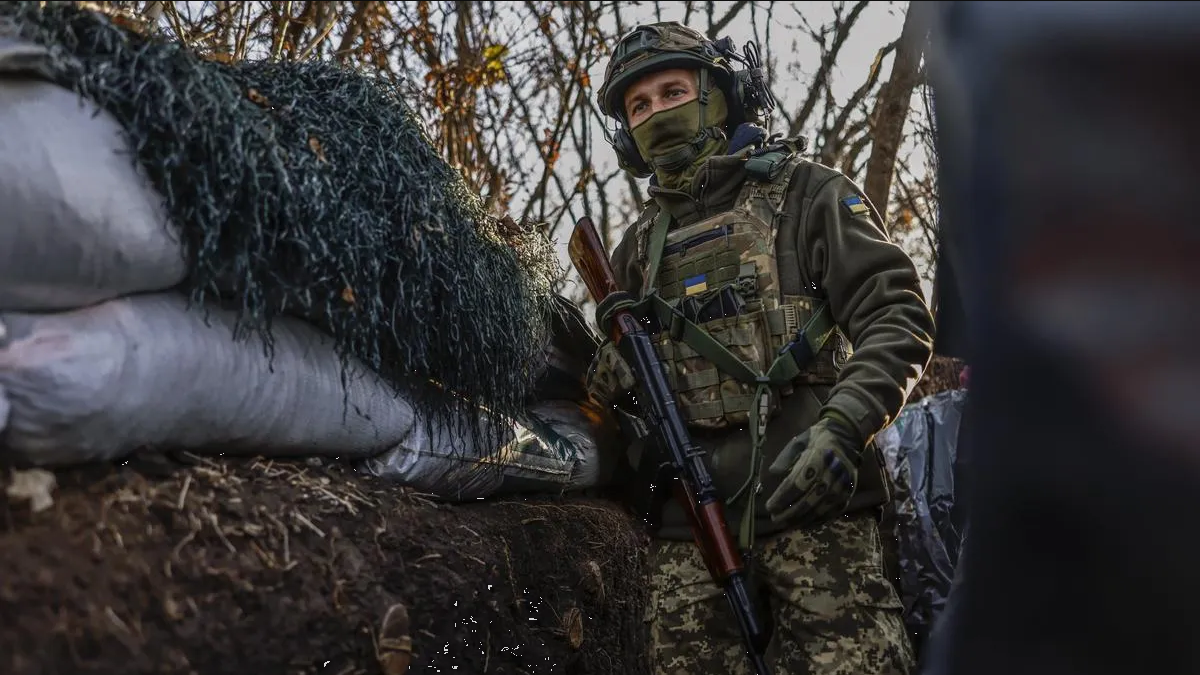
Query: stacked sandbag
x=81, y=223
x=311, y=190
x=147, y=372
x=261, y=259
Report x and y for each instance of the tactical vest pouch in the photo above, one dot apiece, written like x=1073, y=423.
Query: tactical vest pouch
x=709, y=397
x=715, y=273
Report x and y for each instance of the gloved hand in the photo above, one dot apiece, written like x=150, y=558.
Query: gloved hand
x=822, y=471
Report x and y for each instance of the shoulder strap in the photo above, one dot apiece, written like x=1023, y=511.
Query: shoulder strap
x=654, y=250
x=641, y=226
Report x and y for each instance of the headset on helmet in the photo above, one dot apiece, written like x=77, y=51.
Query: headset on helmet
x=669, y=44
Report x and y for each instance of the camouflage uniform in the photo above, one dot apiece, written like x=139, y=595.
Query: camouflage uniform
x=834, y=611
x=802, y=246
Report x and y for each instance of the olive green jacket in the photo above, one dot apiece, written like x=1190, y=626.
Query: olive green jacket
x=874, y=293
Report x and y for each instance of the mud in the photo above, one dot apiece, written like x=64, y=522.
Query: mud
x=253, y=566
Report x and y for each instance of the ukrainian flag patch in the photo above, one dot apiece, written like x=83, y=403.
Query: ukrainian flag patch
x=696, y=284
x=856, y=205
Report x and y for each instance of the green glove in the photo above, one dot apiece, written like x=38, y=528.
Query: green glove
x=822, y=471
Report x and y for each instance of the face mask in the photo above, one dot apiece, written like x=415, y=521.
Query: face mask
x=668, y=139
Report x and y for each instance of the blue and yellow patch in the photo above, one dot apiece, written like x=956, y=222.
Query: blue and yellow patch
x=696, y=284
x=856, y=205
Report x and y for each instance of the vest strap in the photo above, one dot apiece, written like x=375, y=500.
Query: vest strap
x=658, y=241
x=789, y=362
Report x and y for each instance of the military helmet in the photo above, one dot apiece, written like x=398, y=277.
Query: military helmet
x=660, y=46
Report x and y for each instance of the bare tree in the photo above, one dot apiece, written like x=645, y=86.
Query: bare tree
x=505, y=93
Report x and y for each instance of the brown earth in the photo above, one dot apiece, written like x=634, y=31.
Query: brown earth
x=253, y=566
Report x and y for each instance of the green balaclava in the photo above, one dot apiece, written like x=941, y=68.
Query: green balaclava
x=675, y=142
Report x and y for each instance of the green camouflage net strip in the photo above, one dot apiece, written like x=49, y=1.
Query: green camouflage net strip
x=311, y=190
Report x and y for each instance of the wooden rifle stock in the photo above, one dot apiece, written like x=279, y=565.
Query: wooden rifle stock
x=694, y=487
x=591, y=260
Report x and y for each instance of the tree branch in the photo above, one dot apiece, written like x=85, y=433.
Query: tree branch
x=841, y=32
x=715, y=27
x=834, y=135
x=892, y=107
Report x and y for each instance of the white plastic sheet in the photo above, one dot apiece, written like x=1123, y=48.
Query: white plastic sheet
x=561, y=446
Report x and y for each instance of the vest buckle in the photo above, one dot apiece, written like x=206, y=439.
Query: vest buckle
x=799, y=348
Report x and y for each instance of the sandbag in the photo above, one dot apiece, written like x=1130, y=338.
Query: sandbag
x=920, y=449
x=148, y=372
x=80, y=223
x=558, y=446
x=309, y=189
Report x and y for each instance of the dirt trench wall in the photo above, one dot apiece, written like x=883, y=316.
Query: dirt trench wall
x=265, y=567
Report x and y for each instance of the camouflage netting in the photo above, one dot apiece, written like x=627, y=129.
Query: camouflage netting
x=307, y=189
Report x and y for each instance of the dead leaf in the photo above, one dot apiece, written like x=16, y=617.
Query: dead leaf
x=593, y=580
x=348, y=295
x=573, y=626
x=314, y=144
x=395, y=641
x=34, y=486
x=493, y=61
x=257, y=98
x=493, y=53
x=508, y=227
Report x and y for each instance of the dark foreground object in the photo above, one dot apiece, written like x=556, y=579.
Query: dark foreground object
x=1064, y=147
x=259, y=567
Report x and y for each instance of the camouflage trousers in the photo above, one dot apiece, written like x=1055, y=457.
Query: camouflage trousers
x=824, y=591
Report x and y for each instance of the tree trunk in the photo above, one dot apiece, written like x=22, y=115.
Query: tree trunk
x=891, y=110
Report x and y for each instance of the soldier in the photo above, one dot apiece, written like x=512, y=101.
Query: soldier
x=773, y=293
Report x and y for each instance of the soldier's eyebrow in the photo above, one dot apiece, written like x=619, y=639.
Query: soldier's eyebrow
x=637, y=97
x=678, y=81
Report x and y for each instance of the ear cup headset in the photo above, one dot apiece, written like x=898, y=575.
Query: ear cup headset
x=671, y=45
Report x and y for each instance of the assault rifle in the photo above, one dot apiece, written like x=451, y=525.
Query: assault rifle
x=693, y=485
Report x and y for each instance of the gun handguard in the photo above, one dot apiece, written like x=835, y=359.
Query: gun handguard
x=694, y=486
